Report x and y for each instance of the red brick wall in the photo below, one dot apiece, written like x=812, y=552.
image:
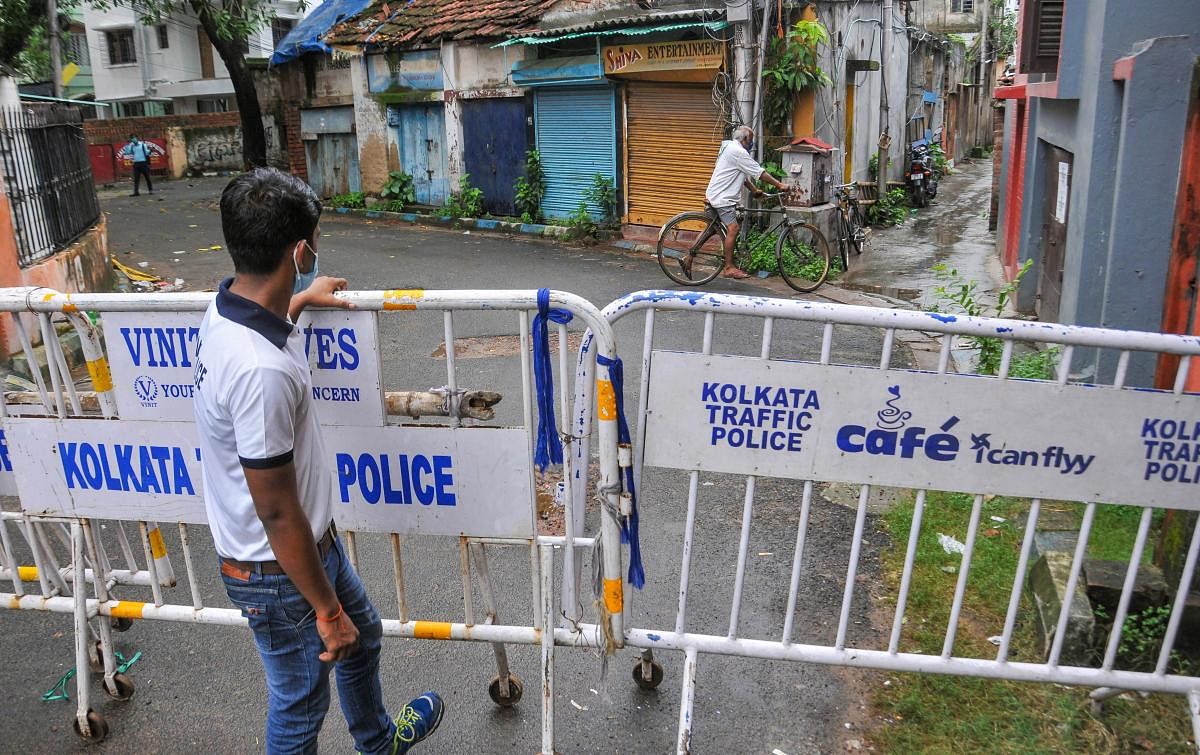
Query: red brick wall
x=294, y=147
x=154, y=127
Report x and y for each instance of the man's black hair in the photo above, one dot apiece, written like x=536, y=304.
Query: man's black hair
x=133, y=136
x=263, y=214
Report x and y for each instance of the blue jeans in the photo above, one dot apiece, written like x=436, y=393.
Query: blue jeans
x=285, y=631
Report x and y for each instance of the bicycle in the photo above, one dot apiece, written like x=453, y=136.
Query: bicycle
x=691, y=247
x=850, y=226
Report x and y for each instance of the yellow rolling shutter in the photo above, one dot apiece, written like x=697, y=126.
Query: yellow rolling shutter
x=672, y=141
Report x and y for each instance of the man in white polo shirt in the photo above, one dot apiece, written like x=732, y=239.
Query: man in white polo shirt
x=735, y=168
x=268, y=487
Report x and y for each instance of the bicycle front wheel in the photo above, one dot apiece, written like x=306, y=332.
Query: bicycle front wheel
x=691, y=248
x=803, y=255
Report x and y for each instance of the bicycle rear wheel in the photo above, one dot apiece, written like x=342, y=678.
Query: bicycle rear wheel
x=691, y=248
x=803, y=255
x=858, y=228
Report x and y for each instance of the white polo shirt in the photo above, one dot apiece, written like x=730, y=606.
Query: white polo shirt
x=734, y=165
x=254, y=410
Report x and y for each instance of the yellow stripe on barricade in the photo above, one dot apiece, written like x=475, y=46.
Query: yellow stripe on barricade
x=606, y=400
x=614, y=597
x=158, y=548
x=127, y=609
x=402, y=298
x=101, y=375
x=27, y=573
x=68, y=305
x=431, y=630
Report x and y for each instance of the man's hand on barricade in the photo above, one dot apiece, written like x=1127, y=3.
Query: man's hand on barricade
x=340, y=637
x=320, y=294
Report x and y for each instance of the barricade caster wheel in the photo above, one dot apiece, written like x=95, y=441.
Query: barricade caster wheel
x=515, y=690
x=123, y=687
x=97, y=727
x=122, y=624
x=656, y=675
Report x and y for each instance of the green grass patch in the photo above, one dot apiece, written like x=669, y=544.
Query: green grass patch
x=931, y=713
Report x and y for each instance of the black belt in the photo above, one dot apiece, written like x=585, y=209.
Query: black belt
x=243, y=569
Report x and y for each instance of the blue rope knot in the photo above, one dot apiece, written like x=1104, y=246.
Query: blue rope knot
x=629, y=524
x=548, y=449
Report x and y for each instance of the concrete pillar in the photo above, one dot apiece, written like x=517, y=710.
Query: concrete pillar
x=455, y=141
x=370, y=123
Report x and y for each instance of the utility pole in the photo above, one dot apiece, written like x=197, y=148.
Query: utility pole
x=739, y=14
x=885, y=52
x=756, y=115
x=55, y=52
x=983, y=43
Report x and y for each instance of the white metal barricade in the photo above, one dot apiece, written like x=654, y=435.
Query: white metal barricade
x=89, y=482
x=682, y=424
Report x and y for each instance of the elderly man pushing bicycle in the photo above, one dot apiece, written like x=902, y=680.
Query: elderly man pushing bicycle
x=735, y=169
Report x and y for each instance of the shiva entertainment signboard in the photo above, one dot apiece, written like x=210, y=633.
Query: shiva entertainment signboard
x=152, y=356
x=412, y=480
x=970, y=434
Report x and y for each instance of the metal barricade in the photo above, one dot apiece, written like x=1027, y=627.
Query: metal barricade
x=687, y=435
x=135, y=321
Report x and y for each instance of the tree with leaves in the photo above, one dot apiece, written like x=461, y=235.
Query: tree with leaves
x=24, y=35
x=228, y=24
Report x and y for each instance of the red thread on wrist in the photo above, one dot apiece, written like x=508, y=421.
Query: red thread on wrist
x=332, y=618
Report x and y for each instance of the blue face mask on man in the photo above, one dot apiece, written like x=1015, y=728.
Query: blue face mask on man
x=304, y=280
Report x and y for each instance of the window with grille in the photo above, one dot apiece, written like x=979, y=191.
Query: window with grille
x=77, y=49
x=279, y=29
x=962, y=6
x=164, y=41
x=121, y=49
x=1041, y=31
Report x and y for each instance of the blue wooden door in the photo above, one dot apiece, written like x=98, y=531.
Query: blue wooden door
x=577, y=138
x=333, y=164
x=495, y=134
x=421, y=135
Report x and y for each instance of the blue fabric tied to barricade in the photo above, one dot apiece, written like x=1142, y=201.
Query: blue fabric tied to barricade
x=548, y=449
x=629, y=524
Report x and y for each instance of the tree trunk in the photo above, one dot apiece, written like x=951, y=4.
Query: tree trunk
x=254, y=139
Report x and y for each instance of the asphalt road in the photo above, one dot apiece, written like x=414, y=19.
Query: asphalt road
x=200, y=689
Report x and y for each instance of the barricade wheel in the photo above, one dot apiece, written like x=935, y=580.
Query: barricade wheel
x=97, y=727
x=515, y=690
x=122, y=624
x=123, y=686
x=656, y=675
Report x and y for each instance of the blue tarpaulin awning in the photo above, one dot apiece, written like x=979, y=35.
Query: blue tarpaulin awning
x=306, y=36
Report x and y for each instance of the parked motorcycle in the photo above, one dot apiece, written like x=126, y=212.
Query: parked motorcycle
x=920, y=176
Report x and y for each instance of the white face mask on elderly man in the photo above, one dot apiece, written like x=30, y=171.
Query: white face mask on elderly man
x=304, y=280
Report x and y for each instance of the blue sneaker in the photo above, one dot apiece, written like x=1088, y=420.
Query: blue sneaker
x=418, y=720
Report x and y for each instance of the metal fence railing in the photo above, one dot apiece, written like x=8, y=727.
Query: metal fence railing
x=48, y=178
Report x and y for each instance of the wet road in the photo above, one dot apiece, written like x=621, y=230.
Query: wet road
x=953, y=230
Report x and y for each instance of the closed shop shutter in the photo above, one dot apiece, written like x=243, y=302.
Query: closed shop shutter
x=577, y=138
x=673, y=135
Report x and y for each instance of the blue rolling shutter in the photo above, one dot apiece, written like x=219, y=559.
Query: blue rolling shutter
x=577, y=138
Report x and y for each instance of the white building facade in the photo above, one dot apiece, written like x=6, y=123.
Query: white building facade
x=170, y=67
